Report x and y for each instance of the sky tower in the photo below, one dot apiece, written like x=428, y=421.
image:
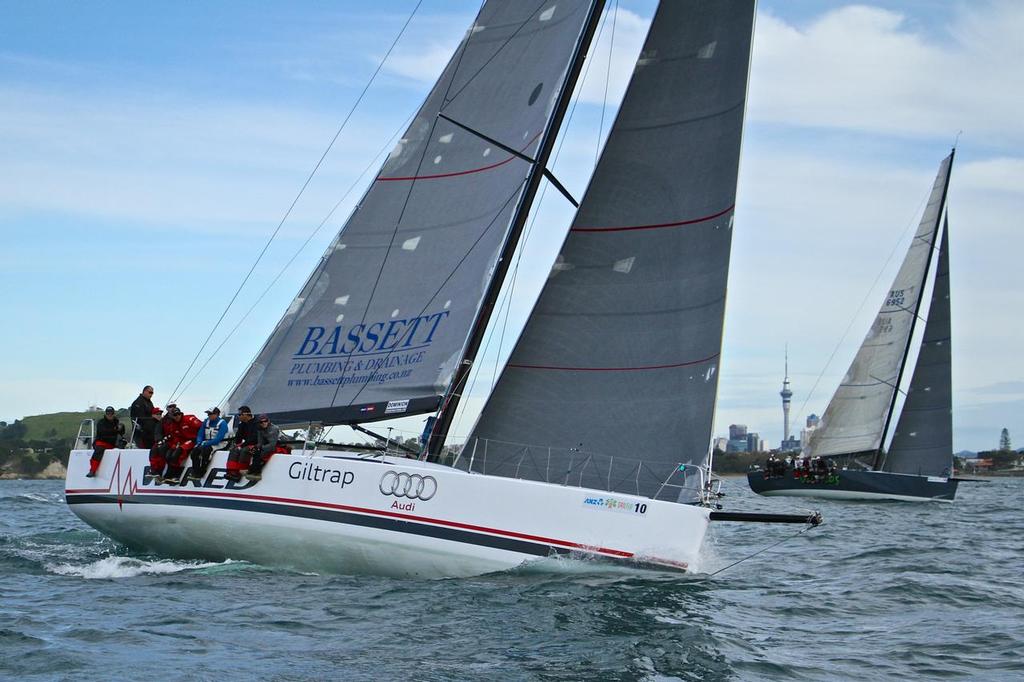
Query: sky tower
x=787, y=395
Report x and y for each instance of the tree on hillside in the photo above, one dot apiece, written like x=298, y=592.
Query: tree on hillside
x=13, y=432
x=1004, y=440
x=1001, y=459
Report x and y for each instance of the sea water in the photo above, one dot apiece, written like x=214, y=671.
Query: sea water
x=882, y=591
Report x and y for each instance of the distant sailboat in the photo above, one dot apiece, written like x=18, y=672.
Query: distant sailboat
x=918, y=464
x=612, y=384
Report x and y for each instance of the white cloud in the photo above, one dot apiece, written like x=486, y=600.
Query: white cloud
x=999, y=174
x=158, y=159
x=867, y=69
x=424, y=62
x=423, y=65
x=629, y=32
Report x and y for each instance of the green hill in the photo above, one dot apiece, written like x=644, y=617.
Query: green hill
x=29, y=445
x=59, y=425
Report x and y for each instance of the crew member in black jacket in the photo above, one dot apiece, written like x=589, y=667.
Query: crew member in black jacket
x=108, y=431
x=143, y=414
x=242, y=451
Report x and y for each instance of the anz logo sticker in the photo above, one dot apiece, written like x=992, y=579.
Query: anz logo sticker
x=615, y=504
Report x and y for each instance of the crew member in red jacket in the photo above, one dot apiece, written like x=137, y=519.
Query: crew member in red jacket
x=162, y=443
x=181, y=442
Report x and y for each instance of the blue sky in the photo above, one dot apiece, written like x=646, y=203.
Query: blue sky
x=148, y=150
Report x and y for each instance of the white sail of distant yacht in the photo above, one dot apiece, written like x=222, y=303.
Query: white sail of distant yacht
x=613, y=380
x=919, y=460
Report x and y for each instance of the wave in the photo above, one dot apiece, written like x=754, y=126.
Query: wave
x=33, y=498
x=113, y=567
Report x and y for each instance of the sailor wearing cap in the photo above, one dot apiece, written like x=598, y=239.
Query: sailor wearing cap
x=211, y=437
x=267, y=436
x=181, y=433
x=245, y=444
x=108, y=432
x=161, y=442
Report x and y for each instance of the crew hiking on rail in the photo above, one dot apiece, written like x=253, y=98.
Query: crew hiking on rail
x=174, y=438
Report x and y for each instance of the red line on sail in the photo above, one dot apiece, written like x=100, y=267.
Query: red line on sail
x=655, y=226
x=617, y=369
x=377, y=512
x=456, y=173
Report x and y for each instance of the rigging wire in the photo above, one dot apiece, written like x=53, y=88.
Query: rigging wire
x=870, y=292
x=174, y=394
x=444, y=283
x=607, y=80
x=280, y=273
x=506, y=303
x=446, y=99
x=763, y=550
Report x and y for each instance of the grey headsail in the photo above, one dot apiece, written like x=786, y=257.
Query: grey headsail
x=858, y=414
x=612, y=383
x=380, y=325
x=923, y=441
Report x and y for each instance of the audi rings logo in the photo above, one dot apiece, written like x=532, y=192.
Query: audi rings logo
x=412, y=486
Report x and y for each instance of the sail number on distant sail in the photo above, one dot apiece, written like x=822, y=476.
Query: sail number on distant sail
x=895, y=297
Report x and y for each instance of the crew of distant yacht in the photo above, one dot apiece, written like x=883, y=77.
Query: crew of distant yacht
x=805, y=469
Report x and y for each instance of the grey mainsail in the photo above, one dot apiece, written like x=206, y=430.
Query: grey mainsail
x=923, y=441
x=856, y=418
x=379, y=328
x=619, y=358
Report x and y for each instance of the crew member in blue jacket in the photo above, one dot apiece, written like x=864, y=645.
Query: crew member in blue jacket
x=211, y=437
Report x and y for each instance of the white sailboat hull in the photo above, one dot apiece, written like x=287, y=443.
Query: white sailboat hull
x=345, y=513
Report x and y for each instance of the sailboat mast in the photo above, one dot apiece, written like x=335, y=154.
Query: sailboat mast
x=454, y=393
x=913, y=321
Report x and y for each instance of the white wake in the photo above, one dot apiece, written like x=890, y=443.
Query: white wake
x=127, y=567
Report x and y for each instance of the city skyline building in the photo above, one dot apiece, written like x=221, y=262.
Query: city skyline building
x=737, y=438
x=810, y=425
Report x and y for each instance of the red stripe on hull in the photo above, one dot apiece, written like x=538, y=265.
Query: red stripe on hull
x=377, y=512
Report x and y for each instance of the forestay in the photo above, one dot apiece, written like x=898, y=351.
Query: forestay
x=855, y=419
x=380, y=325
x=619, y=358
x=923, y=441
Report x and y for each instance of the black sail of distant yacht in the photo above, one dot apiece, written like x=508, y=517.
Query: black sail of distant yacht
x=618, y=362
x=923, y=441
x=380, y=326
x=858, y=416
